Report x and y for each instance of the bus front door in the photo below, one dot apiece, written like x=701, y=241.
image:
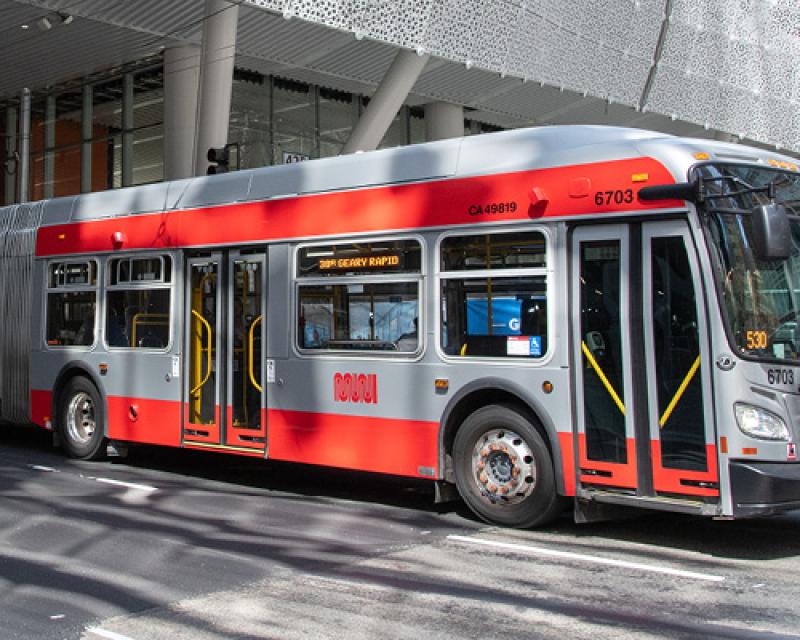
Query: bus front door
x=225, y=337
x=643, y=401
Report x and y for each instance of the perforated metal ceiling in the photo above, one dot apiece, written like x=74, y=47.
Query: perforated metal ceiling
x=727, y=65
x=722, y=64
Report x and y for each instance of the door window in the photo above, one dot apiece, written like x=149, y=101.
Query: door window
x=203, y=343
x=601, y=346
x=677, y=357
x=248, y=296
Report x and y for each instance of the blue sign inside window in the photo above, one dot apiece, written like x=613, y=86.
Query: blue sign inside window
x=506, y=314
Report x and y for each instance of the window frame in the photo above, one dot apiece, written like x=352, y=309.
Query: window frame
x=140, y=285
x=398, y=277
x=441, y=275
x=72, y=288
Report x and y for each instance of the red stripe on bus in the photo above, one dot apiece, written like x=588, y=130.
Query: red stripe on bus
x=240, y=436
x=154, y=422
x=383, y=445
x=609, y=473
x=201, y=432
x=41, y=406
x=376, y=209
x=667, y=480
x=567, y=444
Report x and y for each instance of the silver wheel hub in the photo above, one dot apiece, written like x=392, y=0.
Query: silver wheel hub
x=80, y=418
x=504, y=467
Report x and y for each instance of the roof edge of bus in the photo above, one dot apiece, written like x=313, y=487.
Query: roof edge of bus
x=485, y=154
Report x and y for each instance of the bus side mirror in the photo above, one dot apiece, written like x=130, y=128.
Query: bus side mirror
x=681, y=191
x=771, y=234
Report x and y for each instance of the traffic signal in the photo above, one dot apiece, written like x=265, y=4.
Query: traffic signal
x=220, y=157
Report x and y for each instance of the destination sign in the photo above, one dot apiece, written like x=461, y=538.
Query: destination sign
x=362, y=262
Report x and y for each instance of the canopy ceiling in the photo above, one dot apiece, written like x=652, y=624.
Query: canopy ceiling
x=680, y=66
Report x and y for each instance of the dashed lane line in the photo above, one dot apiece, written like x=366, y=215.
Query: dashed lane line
x=129, y=485
x=112, y=481
x=94, y=633
x=581, y=557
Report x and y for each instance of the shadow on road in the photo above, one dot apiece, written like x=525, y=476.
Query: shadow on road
x=756, y=539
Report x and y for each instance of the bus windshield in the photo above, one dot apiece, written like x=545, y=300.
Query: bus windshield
x=760, y=298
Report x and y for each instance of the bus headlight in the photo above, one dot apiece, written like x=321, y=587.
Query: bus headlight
x=760, y=423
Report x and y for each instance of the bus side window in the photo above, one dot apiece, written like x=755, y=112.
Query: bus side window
x=358, y=297
x=138, y=303
x=488, y=315
x=71, y=304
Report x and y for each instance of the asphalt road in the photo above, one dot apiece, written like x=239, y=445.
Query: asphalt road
x=175, y=544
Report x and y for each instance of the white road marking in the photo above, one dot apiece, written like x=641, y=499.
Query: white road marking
x=38, y=467
x=119, y=483
x=129, y=485
x=103, y=633
x=569, y=555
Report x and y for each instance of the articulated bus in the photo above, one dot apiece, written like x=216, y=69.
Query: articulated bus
x=594, y=315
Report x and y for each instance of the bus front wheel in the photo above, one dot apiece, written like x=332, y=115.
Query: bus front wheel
x=80, y=420
x=504, y=471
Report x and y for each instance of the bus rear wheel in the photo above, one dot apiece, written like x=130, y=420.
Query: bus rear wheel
x=504, y=471
x=80, y=420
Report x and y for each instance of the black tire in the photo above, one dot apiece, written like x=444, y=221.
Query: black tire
x=512, y=485
x=81, y=420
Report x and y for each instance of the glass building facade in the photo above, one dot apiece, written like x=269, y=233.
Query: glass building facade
x=108, y=132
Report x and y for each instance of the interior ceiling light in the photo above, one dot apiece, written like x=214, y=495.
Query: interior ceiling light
x=66, y=18
x=44, y=23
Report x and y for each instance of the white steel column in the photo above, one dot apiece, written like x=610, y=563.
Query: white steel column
x=49, y=146
x=386, y=102
x=443, y=120
x=181, y=88
x=11, y=165
x=87, y=130
x=216, y=78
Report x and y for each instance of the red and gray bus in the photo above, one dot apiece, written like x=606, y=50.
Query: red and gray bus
x=589, y=314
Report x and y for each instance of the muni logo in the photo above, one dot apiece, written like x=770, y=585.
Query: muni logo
x=355, y=387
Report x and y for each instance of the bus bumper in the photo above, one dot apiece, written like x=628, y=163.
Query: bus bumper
x=764, y=488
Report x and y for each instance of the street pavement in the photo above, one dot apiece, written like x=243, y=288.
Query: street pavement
x=177, y=544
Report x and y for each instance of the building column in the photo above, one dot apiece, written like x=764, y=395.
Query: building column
x=49, y=146
x=181, y=88
x=11, y=165
x=443, y=120
x=128, y=98
x=87, y=131
x=217, y=56
x=24, y=161
x=386, y=102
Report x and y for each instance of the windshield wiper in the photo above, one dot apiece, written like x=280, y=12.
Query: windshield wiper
x=745, y=189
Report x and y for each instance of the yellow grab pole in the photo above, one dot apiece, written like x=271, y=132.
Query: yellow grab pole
x=606, y=383
x=679, y=393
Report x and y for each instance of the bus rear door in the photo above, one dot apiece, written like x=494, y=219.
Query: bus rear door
x=225, y=338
